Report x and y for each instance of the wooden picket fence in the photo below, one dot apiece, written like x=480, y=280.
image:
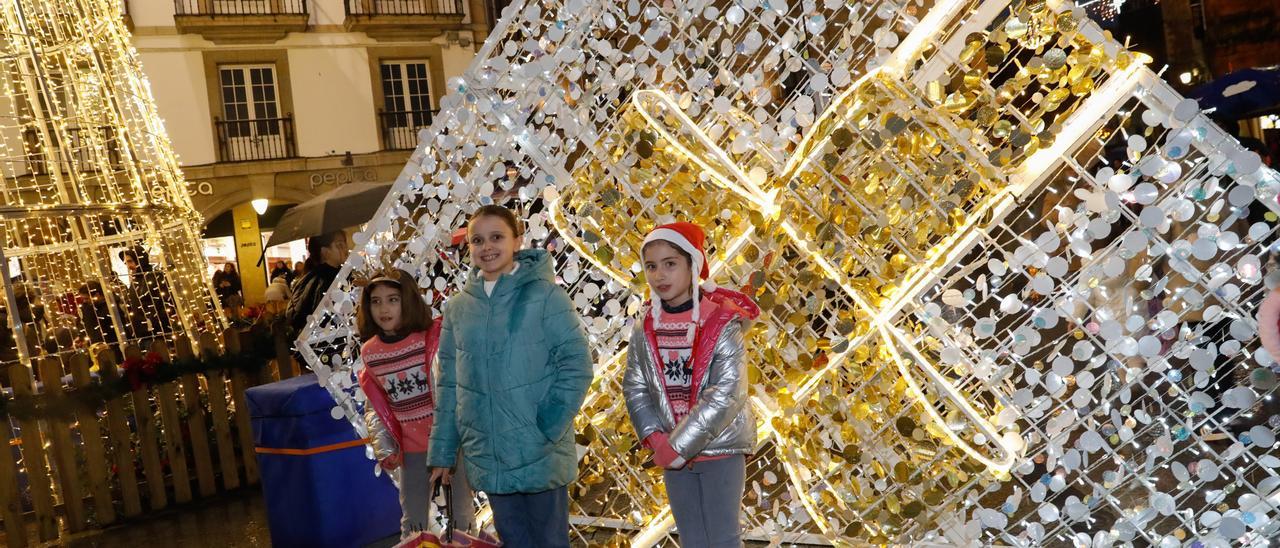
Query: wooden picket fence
x=202, y=429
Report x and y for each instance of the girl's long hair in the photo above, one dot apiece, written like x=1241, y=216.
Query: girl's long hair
x=414, y=314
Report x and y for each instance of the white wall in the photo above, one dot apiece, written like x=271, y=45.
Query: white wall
x=333, y=100
x=182, y=98
x=151, y=13
x=456, y=61
x=327, y=12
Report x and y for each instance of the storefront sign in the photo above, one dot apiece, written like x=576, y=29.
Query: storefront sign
x=339, y=177
x=203, y=188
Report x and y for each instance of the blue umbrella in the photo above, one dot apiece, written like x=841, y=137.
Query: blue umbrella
x=1242, y=94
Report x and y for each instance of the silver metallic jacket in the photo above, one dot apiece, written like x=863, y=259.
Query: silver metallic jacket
x=380, y=438
x=384, y=445
x=721, y=421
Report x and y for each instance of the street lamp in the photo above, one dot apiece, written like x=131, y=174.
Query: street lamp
x=259, y=205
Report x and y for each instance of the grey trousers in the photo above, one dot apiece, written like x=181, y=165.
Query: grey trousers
x=706, y=500
x=415, y=496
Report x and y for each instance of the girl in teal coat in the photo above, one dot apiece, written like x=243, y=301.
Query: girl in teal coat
x=514, y=368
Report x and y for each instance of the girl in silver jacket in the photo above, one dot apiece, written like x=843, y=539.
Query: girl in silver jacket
x=686, y=386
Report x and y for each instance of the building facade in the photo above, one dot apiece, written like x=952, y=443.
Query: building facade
x=284, y=100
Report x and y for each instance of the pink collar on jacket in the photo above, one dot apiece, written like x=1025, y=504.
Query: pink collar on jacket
x=1269, y=323
x=377, y=398
x=719, y=306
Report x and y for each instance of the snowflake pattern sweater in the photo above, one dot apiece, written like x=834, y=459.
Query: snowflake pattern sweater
x=676, y=350
x=402, y=371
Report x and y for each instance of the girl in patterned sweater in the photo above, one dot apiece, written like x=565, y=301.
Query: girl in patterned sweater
x=400, y=342
x=686, y=386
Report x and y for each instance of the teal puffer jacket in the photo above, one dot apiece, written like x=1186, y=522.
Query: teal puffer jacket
x=513, y=370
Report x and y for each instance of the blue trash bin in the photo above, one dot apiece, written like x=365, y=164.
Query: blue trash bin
x=318, y=485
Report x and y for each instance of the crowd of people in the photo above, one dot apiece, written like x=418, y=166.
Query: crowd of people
x=138, y=307
x=135, y=308
x=229, y=288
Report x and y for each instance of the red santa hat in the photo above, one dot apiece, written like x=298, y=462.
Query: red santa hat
x=692, y=240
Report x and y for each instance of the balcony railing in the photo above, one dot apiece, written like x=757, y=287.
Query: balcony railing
x=240, y=7
x=405, y=7
x=258, y=139
x=400, y=128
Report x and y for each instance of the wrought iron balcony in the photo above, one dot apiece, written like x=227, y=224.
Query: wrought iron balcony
x=400, y=18
x=257, y=139
x=241, y=21
x=400, y=128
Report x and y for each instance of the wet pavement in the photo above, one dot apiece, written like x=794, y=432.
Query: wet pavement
x=233, y=520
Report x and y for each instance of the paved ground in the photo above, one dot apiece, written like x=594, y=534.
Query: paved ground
x=235, y=520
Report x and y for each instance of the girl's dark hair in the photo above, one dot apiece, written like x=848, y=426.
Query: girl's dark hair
x=316, y=243
x=494, y=210
x=414, y=314
x=687, y=257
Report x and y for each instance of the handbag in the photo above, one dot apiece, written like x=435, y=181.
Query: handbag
x=450, y=537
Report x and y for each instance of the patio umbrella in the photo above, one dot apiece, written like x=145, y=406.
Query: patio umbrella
x=1241, y=94
x=348, y=205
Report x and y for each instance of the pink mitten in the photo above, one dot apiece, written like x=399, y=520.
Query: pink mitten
x=1269, y=323
x=391, y=463
x=663, y=454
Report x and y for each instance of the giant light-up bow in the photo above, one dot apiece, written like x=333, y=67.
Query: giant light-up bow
x=958, y=197
x=847, y=238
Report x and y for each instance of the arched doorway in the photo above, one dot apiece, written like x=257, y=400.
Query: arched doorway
x=237, y=236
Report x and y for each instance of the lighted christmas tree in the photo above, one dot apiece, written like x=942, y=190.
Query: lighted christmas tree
x=1008, y=275
x=99, y=239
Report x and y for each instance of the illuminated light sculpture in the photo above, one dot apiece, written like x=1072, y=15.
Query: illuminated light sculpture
x=88, y=186
x=1006, y=273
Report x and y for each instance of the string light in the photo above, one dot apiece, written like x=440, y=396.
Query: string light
x=89, y=183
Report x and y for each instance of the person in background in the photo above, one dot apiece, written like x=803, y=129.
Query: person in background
x=59, y=339
x=148, y=293
x=228, y=287
x=217, y=283
x=277, y=294
x=281, y=269
x=1257, y=146
x=95, y=316
x=31, y=316
x=326, y=253
x=278, y=289
x=299, y=269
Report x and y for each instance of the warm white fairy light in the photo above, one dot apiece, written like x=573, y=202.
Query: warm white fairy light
x=88, y=174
